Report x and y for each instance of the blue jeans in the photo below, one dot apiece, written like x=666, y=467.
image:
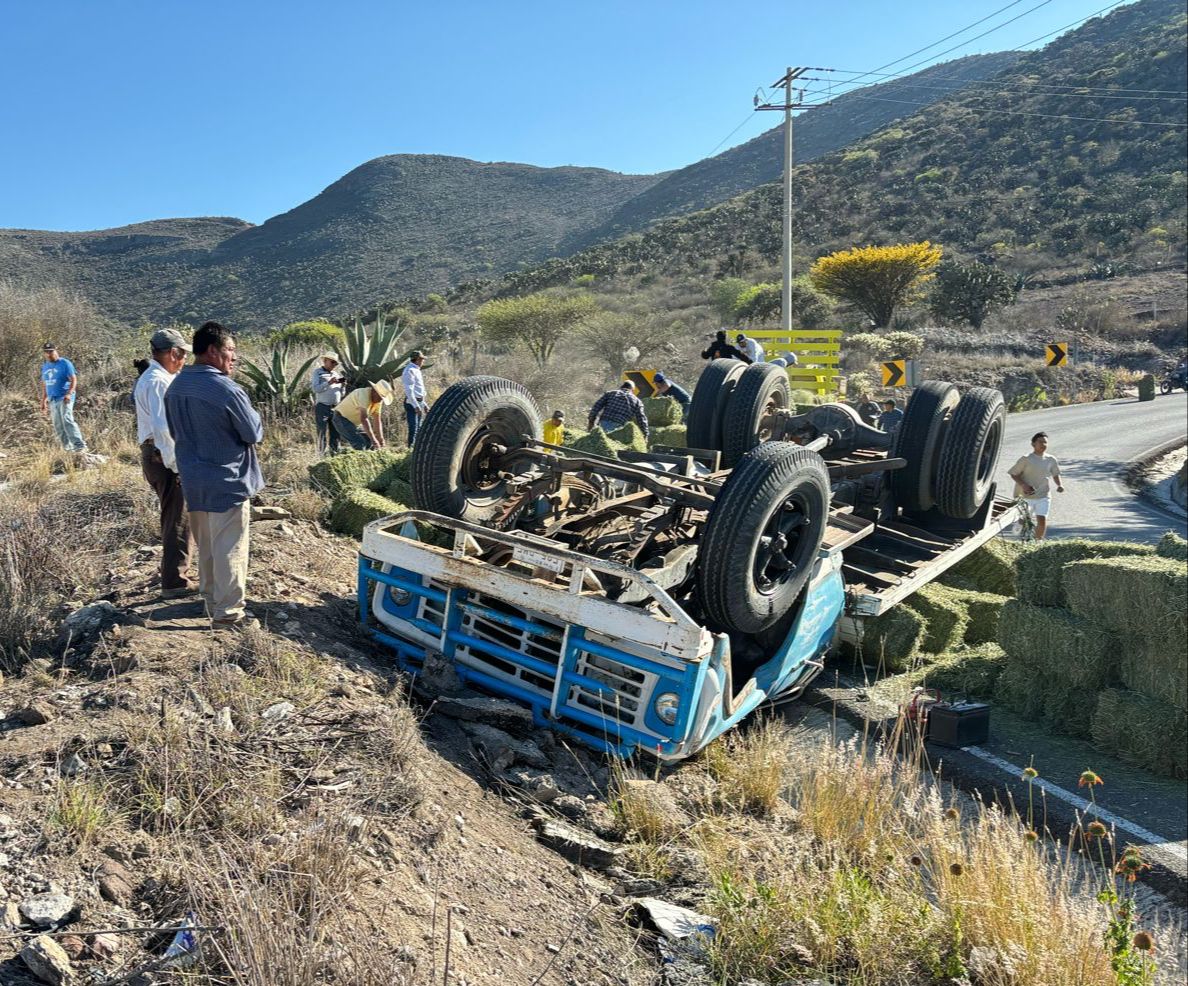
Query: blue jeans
x=65, y=427
x=327, y=433
x=350, y=433
x=414, y=420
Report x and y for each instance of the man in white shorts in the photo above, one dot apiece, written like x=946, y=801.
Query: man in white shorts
x=1033, y=475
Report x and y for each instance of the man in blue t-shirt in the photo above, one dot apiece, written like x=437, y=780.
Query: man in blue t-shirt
x=59, y=383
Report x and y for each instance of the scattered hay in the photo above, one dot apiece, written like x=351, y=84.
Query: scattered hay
x=1140, y=595
x=1157, y=669
x=1171, y=545
x=357, y=469
x=672, y=435
x=893, y=639
x=1040, y=566
x=945, y=615
x=971, y=673
x=984, y=610
x=662, y=411
x=630, y=436
x=1142, y=731
x=989, y=569
x=355, y=508
x=1020, y=688
x=1069, y=649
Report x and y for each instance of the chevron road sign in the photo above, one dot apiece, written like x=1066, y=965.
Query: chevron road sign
x=895, y=373
x=1056, y=353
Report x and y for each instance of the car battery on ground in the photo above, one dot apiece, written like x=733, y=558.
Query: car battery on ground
x=959, y=723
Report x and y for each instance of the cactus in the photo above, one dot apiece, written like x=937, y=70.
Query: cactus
x=272, y=382
x=1146, y=388
x=367, y=359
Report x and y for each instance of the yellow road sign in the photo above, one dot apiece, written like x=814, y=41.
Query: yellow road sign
x=895, y=373
x=1056, y=353
x=642, y=380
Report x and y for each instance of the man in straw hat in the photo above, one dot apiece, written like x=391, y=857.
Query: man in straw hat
x=215, y=432
x=329, y=387
x=357, y=416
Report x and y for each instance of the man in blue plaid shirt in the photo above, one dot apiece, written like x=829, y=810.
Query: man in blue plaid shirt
x=616, y=407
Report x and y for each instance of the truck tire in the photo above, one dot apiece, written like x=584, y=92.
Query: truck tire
x=710, y=397
x=920, y=437
x=762, y=537
x=449, y=471
x=761, y=389
x=969, y=456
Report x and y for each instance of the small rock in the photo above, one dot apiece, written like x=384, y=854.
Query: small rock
x=502, y=750
x=36, y=713
x=10, y=917
x=270, y=513
x=73, y=765
x=45, y=910
x=73, y=946
x=571, y=807
x=104, y=946
x=223, y=720
x=274, y=713
x=640, y=887
x=497, y=712
x=537, y=783
x=48, y=961
x=576, y=845
x=116, y=883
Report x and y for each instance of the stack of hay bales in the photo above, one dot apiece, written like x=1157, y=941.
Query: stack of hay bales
x=364, y=486
x=989, y=569
x=1095, y=648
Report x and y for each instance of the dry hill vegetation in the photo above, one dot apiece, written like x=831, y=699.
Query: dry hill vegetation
x=326, y=826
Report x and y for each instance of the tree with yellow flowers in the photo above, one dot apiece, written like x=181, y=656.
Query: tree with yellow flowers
x=876, y=280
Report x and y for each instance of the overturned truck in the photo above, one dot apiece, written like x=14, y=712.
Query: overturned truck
x=652, y=601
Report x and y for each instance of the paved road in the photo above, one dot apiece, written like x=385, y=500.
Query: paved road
x=1093, y=443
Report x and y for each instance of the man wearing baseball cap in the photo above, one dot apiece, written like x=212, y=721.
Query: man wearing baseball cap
x=158, y=459
x=59, y=384
x=666, y=388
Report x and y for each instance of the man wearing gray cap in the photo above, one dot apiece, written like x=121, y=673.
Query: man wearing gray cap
x=158, y=459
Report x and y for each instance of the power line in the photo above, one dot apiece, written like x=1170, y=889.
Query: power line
x=991, y=82
x=974, y=88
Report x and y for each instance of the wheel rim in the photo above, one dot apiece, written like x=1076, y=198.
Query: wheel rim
x=477, y=469
x=988, y=457
x=779, y=544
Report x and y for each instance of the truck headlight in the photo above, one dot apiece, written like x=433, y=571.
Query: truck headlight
x=667, y=706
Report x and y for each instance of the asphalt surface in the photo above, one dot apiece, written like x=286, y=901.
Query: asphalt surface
x=1094, y=443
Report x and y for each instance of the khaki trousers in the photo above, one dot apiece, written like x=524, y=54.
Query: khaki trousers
x=222, y=559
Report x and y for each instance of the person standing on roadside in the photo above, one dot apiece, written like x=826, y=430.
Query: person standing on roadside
x=666, y=388
x=59, y=385
x=158, y=459
x=891, y=418
x=215, y=431
x=328, y=388
x=357, y=416
x=413, y=382
x=1033, y=475
x=721, y=349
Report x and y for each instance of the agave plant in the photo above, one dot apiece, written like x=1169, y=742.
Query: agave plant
x=368, y=358
x=272, y=382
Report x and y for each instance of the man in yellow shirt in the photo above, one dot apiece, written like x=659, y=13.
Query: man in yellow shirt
x=357, y=416
x=554, y=429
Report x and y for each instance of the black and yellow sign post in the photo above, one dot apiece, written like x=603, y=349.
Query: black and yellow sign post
x=642, y=379
x=1056, y=354
x=895, y=373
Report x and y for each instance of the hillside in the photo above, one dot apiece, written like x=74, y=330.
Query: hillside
x=818, y=131
x=1024, y=169
x=404, y=225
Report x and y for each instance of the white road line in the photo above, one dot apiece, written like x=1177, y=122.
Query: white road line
x=1177, y=849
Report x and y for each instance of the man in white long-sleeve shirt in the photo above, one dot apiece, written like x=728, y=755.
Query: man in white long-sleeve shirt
x=329, y=388
x=415, y=406
x=158, y=460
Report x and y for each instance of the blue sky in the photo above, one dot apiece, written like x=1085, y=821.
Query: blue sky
x=119, y=111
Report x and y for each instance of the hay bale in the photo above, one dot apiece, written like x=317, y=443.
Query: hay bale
x=973, y=672
x=984, y=610
x=1068, y=710
x=1066, y=647
x=1040, y=566
x=399, y=490
x=630, y=436
x=989, y=569
x=672, y=435
x=336, y=473
x=399, y=468
x=597, y=442
x=1157, y=669
x=1020, y=688
x=893, y=639
x=1142, y=731
x=573, y=435
x=946, y=616
x=662, y=411
x=354, y=508
x=1171, y=545
x=1144, y=596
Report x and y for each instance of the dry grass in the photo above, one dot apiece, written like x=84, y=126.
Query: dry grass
x=82, y=812
x=749, y=767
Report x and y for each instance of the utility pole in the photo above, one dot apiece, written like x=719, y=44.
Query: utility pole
x=785, y=82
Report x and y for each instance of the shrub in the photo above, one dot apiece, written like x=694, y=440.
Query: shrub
x=1146, y=388
x=968, y=293
x=29, y=318
x=904, y=345
x=314, y=333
